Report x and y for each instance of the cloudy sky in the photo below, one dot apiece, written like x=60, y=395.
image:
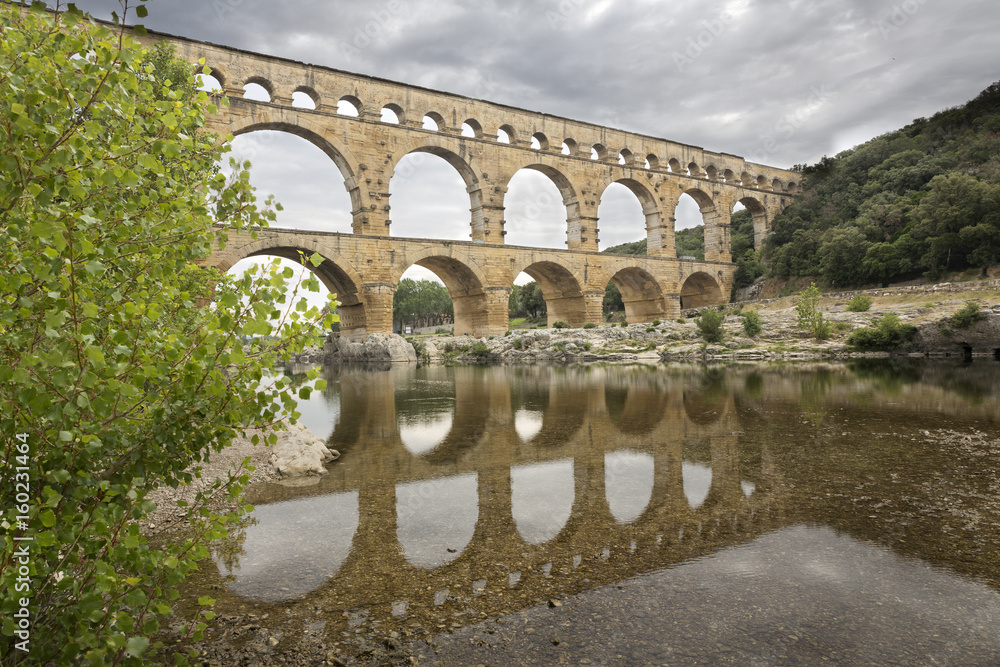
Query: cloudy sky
x=777, y=81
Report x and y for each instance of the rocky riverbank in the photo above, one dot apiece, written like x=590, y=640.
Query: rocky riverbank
x=297, y=452
x=927, y=308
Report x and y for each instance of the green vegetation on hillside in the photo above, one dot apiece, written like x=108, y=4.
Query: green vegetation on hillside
x=922, y=200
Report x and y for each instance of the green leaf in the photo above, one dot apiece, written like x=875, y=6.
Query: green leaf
x=136, y=646
x=141, y=11
x=48, y=518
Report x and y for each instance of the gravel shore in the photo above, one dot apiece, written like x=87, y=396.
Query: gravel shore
x=169, y=516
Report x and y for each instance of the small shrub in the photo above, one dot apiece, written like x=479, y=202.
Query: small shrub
x=479, y=349
x=681, y=320
x=507, y=333
x=439, y=330
x=449, y=347
x=586, y=347
x=859, y=303
x=968, y=316
x=710, y=325
x=841, y=327
x=624, y=324
x=561, y=346
x=559, y=324
x=518, y=344
x=589, y=325
x=886, y=333
x=656, y=323
x=648, y=329
x=807, y=307
x=751, y=323
x=821, y=327
x=464, y=348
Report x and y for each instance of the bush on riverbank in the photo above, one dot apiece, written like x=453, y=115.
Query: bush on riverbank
x=886, y=333
x=112, y=368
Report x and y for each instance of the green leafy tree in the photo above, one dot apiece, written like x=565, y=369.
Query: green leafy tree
x=710, y=325
x=532, y=300
x=121, y=360
x=415, y=300
x=752, y=325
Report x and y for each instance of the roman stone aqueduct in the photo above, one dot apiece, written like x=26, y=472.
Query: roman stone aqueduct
x=581, y=159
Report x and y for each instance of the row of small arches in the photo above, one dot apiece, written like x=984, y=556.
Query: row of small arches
x=259, y=89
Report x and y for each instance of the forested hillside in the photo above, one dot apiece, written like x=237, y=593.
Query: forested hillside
x=921, y=201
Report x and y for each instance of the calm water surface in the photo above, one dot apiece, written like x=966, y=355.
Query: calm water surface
x=639, y=515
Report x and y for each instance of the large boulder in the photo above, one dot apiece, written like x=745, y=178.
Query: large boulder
x=376, y=347
x=982, y=337
x=299, y=452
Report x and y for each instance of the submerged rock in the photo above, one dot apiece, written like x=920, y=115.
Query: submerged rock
x=299, y=452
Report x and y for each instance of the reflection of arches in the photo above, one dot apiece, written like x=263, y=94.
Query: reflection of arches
x=634, y=410
x=628, y=484
x=542, y=496
x=262, y=572
x=699, y=290
x=435, y=519
x=697, y=483
x=643, y=298
x=562, y=293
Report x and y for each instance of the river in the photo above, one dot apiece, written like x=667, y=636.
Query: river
x=632, y=515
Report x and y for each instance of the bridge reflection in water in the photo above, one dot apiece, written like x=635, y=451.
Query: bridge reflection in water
x=471, y=493
x=502, y=487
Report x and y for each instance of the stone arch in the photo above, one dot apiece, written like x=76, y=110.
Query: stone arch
x=464, y=169
x=436, y=118
x=694, y=170
x=659, y=237
x=626, y=157
x=792, y=187
x=508, y=129
x=762, y=183
x=354, y=102
x=475, y=126
x=699, y=290
x=341, y=156
x=335, y=272
x=717, y=245
x=263, y=83
x=777, y=185
x=566, y=190
x=397, y=111
x=761, y=222
x=642, y=295
x=465, y=282
x=562, y=291
x=747, y=180
x=711, y=173
x=729, y=175
x=310, y=92
x=598, y=152
x=541, y=139
x=220, y=73
x=652, y=162
x=569, y=146
x=674, y=165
